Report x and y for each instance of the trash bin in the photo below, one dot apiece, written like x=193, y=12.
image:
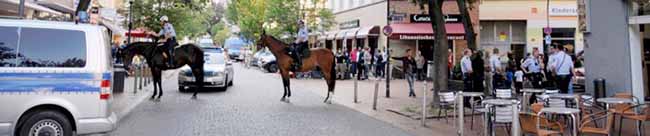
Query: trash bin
x=599, y=88
x=119, y=74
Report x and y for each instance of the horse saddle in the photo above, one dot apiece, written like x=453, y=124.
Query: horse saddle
x=296, y=51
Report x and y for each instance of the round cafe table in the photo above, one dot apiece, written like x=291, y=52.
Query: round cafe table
x=613, y=100
x=471, y=96
x=527, y=94
x=572, y=112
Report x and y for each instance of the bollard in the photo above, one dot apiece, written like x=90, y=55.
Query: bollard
x=461, y=113
x=374, y=99
x=356, y=86
x=135, y=80
x=424, y=104
x=140, y=80
x=515, y=119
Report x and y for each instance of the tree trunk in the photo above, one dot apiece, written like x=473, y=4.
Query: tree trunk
x=439, y=49
x=470, y=36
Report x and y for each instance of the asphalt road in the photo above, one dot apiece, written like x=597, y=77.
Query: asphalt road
x=251, y=107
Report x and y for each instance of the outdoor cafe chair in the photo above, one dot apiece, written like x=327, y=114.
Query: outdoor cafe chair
x=640, y=117
x=587, y=128
x=503, y=93
x=525, y=120
x=447, y=103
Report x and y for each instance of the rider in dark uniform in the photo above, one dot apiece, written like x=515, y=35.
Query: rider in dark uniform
x=169, y=36
x=300, y=44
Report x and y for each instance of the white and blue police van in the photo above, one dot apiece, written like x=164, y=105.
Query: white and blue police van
x=55, y=78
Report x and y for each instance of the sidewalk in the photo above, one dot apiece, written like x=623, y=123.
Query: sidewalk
x=399, y=101
x=124, y=102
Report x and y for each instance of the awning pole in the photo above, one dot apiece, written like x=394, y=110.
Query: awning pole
x=21, y=8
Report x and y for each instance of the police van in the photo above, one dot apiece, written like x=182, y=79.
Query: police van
x=55, y=78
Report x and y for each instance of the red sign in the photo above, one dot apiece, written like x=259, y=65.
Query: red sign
x=547, y=30
x=388, y=31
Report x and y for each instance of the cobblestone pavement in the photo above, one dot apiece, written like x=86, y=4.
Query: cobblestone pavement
x=251, y=107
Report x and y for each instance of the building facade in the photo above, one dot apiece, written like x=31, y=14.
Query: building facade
x=361, y=21
x=518, y=25
x=618, y=49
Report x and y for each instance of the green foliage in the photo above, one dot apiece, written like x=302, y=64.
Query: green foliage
x=221, y=35
x=189, y=19
x=276, y=17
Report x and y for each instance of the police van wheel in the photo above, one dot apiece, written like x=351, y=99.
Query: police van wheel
x=46, y=122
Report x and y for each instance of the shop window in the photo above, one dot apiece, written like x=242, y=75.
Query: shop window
x=487, y=32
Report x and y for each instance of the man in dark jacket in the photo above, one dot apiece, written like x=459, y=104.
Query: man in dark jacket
x=409, y=67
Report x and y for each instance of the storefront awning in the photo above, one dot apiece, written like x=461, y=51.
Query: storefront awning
x=351, y=34
x=341, y=34
x=331, y=35
x=424, y=31
x=135, y=33
x=369, y=31
x=12, y=5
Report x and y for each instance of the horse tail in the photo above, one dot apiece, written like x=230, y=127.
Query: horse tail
x=333, y=73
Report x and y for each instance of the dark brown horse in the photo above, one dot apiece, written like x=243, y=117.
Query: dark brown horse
x=321, y=57
x=187, y=54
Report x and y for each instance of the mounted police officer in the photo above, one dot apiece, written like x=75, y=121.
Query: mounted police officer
x=300, y=44
x=169, y=37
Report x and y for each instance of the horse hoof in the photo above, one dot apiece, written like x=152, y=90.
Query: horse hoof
x=287, y=100
x=194, y=97
x=152, y=98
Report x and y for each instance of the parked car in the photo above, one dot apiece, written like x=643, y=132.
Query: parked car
x=55, y=78
x=206, y=43
x=218, y=71
x=266, y=61
x=234, y=47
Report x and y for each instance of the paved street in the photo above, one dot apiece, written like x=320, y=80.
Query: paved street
x=251, y=107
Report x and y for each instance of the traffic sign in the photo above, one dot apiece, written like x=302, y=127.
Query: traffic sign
x=548, y=30
x=388, y=31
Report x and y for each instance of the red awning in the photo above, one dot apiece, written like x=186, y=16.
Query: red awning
x=136, y=33
x=423, y=31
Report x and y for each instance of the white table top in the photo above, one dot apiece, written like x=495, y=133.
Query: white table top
x=473, y=94
x=562, y=96
x=560, y=110
x=614, y=100
x=499, y=102
x=533, y=90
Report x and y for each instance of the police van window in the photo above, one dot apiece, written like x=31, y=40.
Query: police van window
x=8, y=46
x=41, y=47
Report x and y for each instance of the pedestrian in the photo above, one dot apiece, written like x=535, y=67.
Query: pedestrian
x=488, y=74
x=360, y=62
x=419, y=62
x=379, y=57
x=562, y=68
x=353, y=61
x=466, y=69
x=478, y=74
x=340, y=64
x=531, y=67
x=367, y=61
x=519, y=80
x=408, y=64
x=496, y=69
x=450, y=62
x=509, y=71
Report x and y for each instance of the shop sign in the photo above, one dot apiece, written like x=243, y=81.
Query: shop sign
x=563, y=10
x=503, y=36
x=428, y=37
x=349, y=24
x=424, y=18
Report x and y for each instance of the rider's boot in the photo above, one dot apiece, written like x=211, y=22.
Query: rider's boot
x=170, y=62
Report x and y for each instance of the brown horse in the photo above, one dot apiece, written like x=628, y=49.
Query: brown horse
x=321, y=57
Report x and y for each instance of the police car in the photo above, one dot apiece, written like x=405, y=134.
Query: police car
x=55, y=78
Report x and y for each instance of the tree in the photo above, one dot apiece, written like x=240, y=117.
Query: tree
x=434, y=7
x=277, y=16
x=464, y=6
x=220, y=36
x=188, y=17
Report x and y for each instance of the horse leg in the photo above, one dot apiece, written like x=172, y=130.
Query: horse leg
x=156, y=80
x=161, y=88
x=330, y=79
x=155, y=88
x=198, y=72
